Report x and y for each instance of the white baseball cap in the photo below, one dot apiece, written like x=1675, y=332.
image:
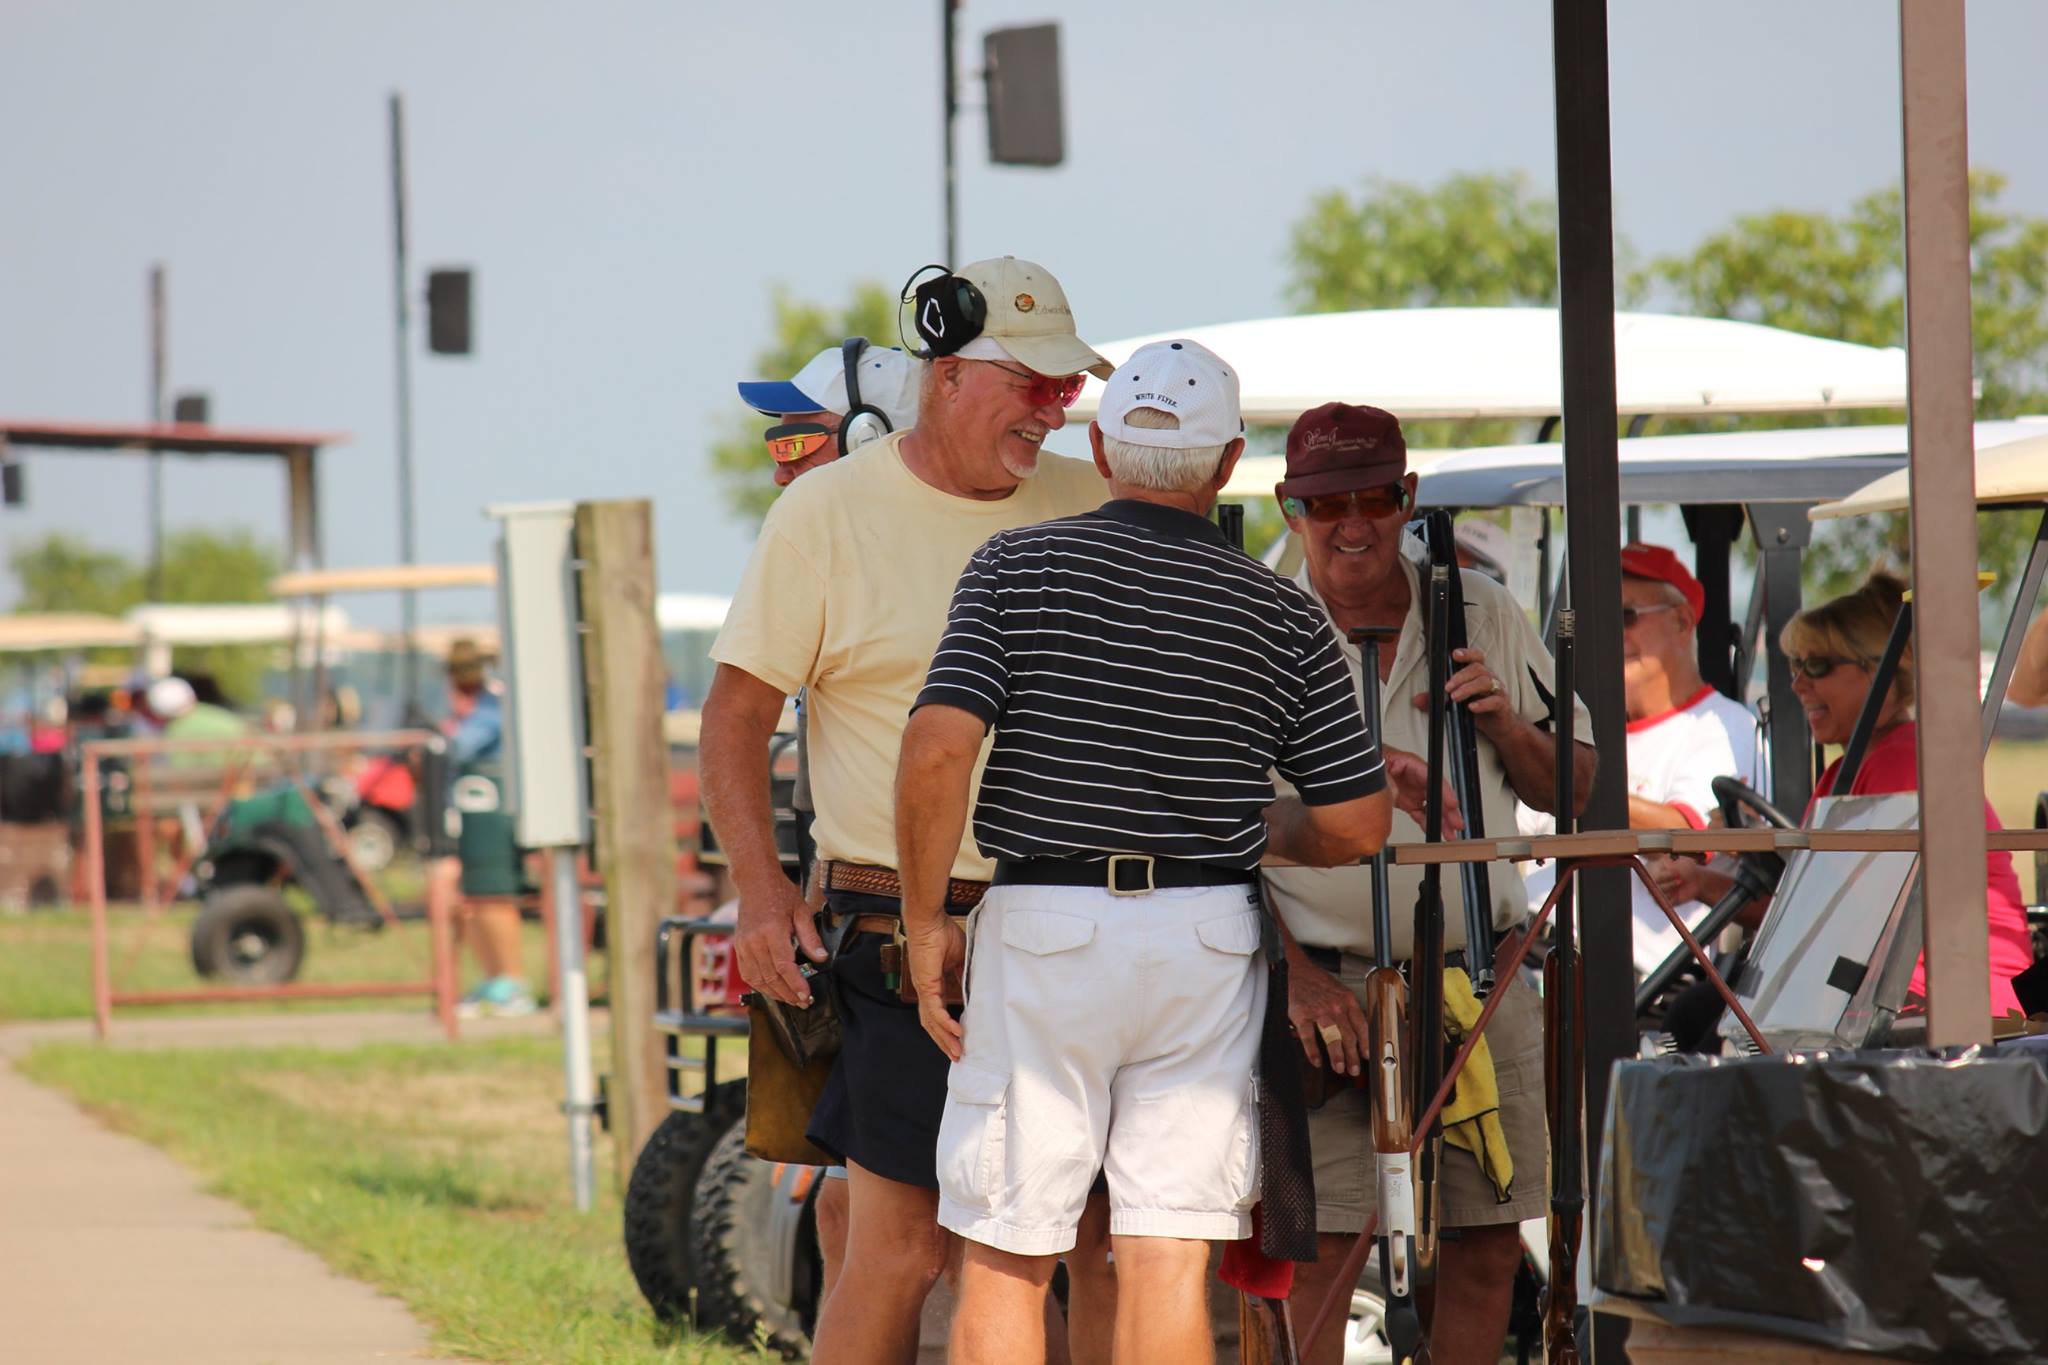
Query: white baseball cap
x=887, y=378
x=1182, y=377
x=170, y=698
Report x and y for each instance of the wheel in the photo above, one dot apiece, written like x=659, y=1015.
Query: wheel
x=659, y=1195
x=247, y=936
x=756, y=1251
x=374, y=838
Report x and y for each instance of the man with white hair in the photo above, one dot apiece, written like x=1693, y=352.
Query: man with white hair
x=845, y=596
x=1140, y=677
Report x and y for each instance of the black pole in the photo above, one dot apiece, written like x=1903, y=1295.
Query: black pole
x=159, y=364
x=407, y=547
x=1585, y=269
x=951, y=98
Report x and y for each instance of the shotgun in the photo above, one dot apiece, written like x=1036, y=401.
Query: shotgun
x=1462, y=736
x=1563, y=1065
x=1386, y=1000
x=1426, y=1014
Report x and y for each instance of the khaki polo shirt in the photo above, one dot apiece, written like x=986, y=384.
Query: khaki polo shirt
x=846, y=594
x=1332, y=907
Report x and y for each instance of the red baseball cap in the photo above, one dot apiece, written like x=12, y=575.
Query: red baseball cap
x=1655, y=562
x=1339, y=447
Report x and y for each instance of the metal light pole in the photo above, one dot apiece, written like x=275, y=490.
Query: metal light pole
x=408, y=599
x=951, y=105
x=159, y=363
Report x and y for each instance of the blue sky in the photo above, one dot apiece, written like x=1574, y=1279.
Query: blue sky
x=630, y=180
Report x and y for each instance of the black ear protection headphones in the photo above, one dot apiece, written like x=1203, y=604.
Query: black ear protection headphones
x=947, y=311
x=863, y=421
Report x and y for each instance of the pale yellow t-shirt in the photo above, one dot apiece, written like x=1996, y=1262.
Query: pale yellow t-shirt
x=846, y=594
x=1332, y=907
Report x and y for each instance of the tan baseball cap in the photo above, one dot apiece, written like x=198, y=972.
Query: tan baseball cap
x=1028, y=315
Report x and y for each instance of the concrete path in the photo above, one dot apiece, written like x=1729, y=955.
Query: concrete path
x=110, y=1254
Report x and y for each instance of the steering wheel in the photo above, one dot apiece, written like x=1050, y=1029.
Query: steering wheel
x=1736, y=796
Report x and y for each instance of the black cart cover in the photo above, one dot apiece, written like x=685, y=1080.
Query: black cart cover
x=1892, y=1202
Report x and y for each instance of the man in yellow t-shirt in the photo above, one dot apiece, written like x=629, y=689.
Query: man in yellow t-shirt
x=846, y=595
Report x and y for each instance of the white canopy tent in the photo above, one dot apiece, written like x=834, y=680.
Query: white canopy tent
x=1422, y=363
x=1503, y=362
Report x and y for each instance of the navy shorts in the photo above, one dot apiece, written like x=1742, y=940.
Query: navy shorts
x=882, y=1103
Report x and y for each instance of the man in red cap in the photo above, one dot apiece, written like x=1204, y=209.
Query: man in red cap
x=1682, y=734
x=1347, y=495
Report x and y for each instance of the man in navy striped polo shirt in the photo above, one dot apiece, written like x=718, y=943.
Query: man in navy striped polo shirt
x=1141, y=677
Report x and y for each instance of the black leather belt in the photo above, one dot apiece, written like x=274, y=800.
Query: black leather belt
x=1332, y=959
x=1121, y=874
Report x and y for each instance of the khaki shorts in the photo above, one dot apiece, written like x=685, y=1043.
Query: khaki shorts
x=1111, y=1033
x=1340, y=1133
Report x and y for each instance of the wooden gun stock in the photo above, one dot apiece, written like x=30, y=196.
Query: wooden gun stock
x=1393, y=1137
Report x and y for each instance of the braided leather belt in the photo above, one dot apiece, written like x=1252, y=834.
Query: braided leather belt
x=868, y=880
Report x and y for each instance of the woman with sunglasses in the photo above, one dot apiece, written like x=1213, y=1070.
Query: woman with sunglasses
x=1833, y=649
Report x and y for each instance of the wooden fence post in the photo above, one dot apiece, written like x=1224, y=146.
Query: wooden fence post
x=626, y=687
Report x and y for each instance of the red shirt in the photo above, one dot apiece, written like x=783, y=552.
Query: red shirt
x=1890, y=765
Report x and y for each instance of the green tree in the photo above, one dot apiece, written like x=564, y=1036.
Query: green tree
x=60, y=572
x=800, y=331
x=1479, y=240
x=1844, y=277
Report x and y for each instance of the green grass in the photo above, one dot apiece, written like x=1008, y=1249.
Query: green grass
x=436, y=1173
x=46, y=961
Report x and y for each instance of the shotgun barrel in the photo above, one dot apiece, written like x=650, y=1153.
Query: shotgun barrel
x=1386, y=1000
x=1462, y=736
x=1426, y=979
x=1564, y=1063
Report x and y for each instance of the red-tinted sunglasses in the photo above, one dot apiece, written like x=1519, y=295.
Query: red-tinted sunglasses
x=1044, y=389
x=1383, y=501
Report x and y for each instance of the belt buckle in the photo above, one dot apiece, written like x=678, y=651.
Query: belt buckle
x=1141, y=858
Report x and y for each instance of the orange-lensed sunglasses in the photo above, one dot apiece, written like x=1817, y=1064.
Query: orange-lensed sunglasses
x=797, y=440
x=1382, y=501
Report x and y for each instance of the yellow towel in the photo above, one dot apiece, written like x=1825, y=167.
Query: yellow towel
x=1472, y=1117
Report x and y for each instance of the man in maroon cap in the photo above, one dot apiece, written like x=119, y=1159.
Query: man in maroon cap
x=1347, y=495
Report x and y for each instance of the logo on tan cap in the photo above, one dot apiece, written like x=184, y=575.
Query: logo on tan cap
x=1025, y=303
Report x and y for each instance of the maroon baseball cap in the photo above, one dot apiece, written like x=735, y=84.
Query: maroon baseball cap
x=1339, y=447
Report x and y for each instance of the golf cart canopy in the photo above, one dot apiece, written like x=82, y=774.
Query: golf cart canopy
x=1800, y=466
x=1503, y=362
x=64, y=633
x=2013, y=471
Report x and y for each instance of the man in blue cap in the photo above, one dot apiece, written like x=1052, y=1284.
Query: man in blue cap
x=846, y=396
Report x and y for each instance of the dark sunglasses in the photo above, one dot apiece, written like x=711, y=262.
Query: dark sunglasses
x=1820, y=665
x=796, y=440
x=1631, y=615
x=1382, y=501
x=1046, y=389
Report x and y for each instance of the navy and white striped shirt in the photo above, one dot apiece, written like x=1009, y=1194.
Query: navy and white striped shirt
x=1143, y=678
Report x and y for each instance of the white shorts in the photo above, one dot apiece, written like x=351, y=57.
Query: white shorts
x=1111, y=1033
